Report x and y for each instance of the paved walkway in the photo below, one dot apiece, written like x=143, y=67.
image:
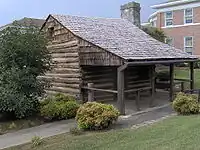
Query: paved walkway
x=25, y=135
x=51, y=129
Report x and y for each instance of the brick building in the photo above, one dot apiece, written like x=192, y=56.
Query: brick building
x=180, y=20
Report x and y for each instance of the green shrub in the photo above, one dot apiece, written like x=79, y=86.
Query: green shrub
x=23, y=57
x=12, y=126
x=197, y=65
x=96, y=116
x=76, y=131
x=63, y=97
x=59, y=107
x=186, y=104
x=50, y=110
x=68, y=109
x=58, y=97
x=36, y=141
x=155, y=33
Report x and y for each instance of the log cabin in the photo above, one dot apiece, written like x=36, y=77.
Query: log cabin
x=112, y=59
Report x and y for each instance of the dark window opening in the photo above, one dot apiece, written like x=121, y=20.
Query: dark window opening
x=50, y=33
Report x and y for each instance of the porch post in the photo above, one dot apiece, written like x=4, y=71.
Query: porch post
x=152, y=78
x=120, y=89
x=171, y=93
x=192, y=75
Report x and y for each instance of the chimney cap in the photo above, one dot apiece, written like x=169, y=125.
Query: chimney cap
x=131, y=5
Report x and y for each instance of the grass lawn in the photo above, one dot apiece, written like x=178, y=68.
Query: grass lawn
x=184, y=73
x=176, y=133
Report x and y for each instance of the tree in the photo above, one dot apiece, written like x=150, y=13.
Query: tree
x=155, y=33
x=23, y=57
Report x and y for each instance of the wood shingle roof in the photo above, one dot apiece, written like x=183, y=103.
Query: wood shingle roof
x=121, y=38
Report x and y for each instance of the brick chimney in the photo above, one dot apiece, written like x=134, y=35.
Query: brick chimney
x=131, y=12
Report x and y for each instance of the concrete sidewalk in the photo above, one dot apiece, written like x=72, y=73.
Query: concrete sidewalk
x=25, y=135
x=51, y=129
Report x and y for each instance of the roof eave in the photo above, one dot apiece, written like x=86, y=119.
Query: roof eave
x=167, y=61
x=168, y=4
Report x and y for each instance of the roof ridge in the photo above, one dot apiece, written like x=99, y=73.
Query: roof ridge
x=87, y=17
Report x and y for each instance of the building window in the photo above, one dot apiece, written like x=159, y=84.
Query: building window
x=169, y=18
x=169, y=41
x=188, y=44
x=188, y=15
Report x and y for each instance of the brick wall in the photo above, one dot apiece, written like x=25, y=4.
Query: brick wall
x=178, y=33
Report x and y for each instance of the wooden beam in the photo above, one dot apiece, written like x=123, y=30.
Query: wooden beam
x=192, y=75
x=120, y=89
x=184, y=80
x=143, y=63
x=91, y=88
x=171, y=93
x=138, y=89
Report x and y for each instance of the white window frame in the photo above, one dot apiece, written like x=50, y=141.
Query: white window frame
x=169, y=18
x=189, y=46
x=188, y=16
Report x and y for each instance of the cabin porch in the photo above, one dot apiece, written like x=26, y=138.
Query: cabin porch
x=161, y=98
x=132, y=86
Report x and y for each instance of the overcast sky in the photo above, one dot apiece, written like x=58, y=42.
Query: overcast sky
x=16, y=9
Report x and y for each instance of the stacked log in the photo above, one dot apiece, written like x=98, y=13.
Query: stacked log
x=102, y=78
x=65, y=76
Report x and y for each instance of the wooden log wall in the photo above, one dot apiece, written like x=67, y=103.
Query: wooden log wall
x=137, y=77
x=101, y=77
x=65, y=77
x=93, y=55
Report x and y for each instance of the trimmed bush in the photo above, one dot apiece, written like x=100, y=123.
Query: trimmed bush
x=96, y=116
x=63, y=97
x=59, y=107
x=186, y=104
x=68, y=109
x=50, y=111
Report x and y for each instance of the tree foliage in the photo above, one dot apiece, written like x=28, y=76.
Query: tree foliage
x=23, y=57
x=155, y=33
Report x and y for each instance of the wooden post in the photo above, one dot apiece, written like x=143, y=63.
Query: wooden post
x=115, y=83
x=125, y=84
x=82, y=95
x=198, y=95
x=152, y=78
x=171, y=94
x=120, y=89
x=182, y=87
x=90, y=93
x=192, y=75
x=137, y=100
